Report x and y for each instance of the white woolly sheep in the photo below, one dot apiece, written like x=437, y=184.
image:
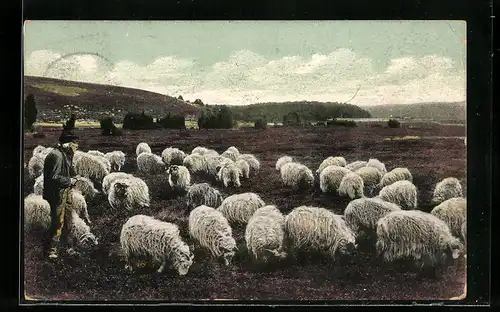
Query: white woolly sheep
x=351, y=186
x=129, y=193
x=229, y=174
x=150, y=163
x=230, y=155
x=84, y=185
x=446, y=189
x=214, y=163
x=265, y=233
x=244, y=168
x=373, y=162
x=356, y=165
x=105, y=161
x=73, y=200
x=239, y=208
x=39, y=149
x=252, y=161
x=331, y=177
x=233, y=150
x=199, y=150
x=371, y=177
x=179, y=178
x=110, y=178
x=77, y=156
x=211, y=230
x=453, y=212
x=296, y=176
x=116, y=159
x=331, y=161
x=38, y=186
x=35, y=165
x=318, y=229
x=91, y=167
x=36, y=212
x=173, y=156
x=195, y=163
x=79, y=233
x=396, y=174
x=283, y=160
x=211, y=152
x=362, y=214
x=141, y=148
x=146, y=236
x=418, y=235
x=203, y=194
x=402, y=193
x=96, y=153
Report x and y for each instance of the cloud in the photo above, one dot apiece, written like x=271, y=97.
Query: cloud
x=247, y=77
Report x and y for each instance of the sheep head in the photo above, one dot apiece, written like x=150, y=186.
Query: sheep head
x=121, y=189
x=185, y=260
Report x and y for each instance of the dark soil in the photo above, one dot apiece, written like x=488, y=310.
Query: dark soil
x=100, y=274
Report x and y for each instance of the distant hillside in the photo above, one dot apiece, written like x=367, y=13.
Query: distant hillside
x=312, y=111
x=436, y=111
x=57, y=99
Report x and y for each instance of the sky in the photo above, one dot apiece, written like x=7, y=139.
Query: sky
x=243, y=62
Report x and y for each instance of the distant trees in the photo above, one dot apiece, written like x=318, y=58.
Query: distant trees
x=134, y=121
x=341, y=123
x=261, y=123
x=199, y=102
x=291, y=119
x=30, y=112
x=217, y=118
x=108, y=128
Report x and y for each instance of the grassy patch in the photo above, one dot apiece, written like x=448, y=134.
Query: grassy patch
x=78, y=124
x=405, y=138
x=61, y=90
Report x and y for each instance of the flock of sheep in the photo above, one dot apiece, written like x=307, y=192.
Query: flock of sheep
x=383, y=206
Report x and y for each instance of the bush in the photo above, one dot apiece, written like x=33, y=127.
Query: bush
x=30, y=112
x=342, y=123
x=218, y=119
x=108, y=128
x=134, y=121
x=291, y=119
x=172, y=122
x=393, y=123
x=70, y=123
x=260, y=124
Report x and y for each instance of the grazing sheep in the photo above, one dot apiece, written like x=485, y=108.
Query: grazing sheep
x=146, y=236
x=116, y=159
x=331, y=177
x=296, y=175
x=173, y=156
x=91, y=167
x=265, y=233
x=38, y=186
x=39, y=149
x=77, y=156
x=128, y=193
x=150, y=163
x=233, y=150
x=244, y=168
x=36, y=212
x=79, y=234
x=214, y=163
x=211, y=152
x=283, y=160
x=239, y=208
x=230, y=155
x=418, y=235
x=195, y=163
x=371, y=177
x=331, y=161
x=318, y=229
x=141, y=148
x=229, y=174
x=362, y=214
x=351, y=186
x=356, y=165
x=35, y=165
x=396, y=174
x=453, y=212
x=179, y=178
x=96, y=153
x=252, y=161
x=110, y=178
x=73, y=200
x=105, y=161
x=211, y=230
x=446, y=189
x=373, y=162
x=199, y=150
x=84, y=185
x=402, y=193
x=203, y=194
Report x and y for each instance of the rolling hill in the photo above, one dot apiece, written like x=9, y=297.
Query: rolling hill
x=436, y=111
x=57, y=99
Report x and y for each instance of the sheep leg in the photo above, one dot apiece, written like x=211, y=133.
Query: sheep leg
x=87, y=216
x=162, y=267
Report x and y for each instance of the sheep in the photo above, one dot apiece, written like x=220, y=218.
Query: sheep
x=373, y=162
x=203, y=194
x=195, y=163
x=265, y=233
x=214, y=163
x=233, y=150
x=96, y=153
x=229, y=174
x=318, y=229
x=129, y=193
x=143, y=235
x=73, y=200
x=351, y=185
x=335, y=161
x=402, y=193
x=283, y=160
x=79, y=233
x=362, y=214
x=252, y=161
x=371, y=177
x=211, y=152
x=331, y=177
x=38, y=186
x=296, y=175
x=36, y=212
x=141, y=148
x=239, y=208
x=116, y=159
x=199, y=150
x=39, y=149
x=91, y=167
x=110, y=178
x=179, y=178
x=35, y=165
x=396, y=174
x=243, y=167
x=84, y=185
x=229, y=154
x=150, y=163
x=446, y=189
x=453, y=212
x=77, y=156
x=418, y=235
x=105, y=161
x=356, y=165
x=172, y=156
x=211, y=230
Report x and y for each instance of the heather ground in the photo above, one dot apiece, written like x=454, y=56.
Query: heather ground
x=431, y=153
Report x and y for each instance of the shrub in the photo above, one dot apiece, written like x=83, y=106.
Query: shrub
x=291, y=119
x=216, y=119
x=393, y=123
x=70, y=123
x=180, y=98
x=134, y=121
x=172, y=122
x=108, y=128
x=198, y=102
x=342, y=123
x=30, y=112
x=260, y=124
